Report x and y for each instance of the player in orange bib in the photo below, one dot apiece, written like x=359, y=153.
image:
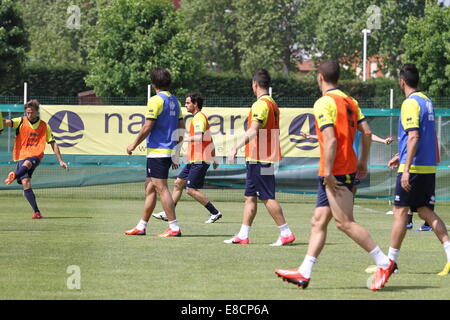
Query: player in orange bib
x=262, y=152
x=32, y=134
x=200, y=155
x=337, y=119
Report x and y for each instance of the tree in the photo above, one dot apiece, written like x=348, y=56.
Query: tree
x=213, y=26
x=427, y=44
x=59, y=30
x=334, y=30
x=242, y=35
x=13, y=45
x=135, y=36
x=268, y=30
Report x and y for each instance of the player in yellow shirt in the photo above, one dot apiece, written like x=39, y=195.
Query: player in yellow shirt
x=32, y=134
x=162, y=131
x=338, y=117
x=262, y=153
x=200, y=155
x=1, y=123
x=416, y=162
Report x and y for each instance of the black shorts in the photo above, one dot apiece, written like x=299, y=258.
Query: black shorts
x=195, y=174
x=422, y=192
x=260, y=180
x=158, y=167
x=346, y=180
x=34, y=163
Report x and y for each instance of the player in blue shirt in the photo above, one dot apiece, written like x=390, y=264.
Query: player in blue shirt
x=162, y=131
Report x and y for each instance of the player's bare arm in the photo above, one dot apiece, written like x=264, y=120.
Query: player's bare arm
x=413, y=141
x=143, y=133
x=249, y=135
x=7, y=122
x=215, y=163
x=308, y=135
x=57, y=152
x=330, y=144
x=394, y=162
x=387, y=140
x=181, y=139
x=366, y=140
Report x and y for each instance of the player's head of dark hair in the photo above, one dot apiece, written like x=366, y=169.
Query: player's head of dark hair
x=330, y=71
x=262, y=78
x=196, y=98
x=410, y=75
x=32, y=104
x=161, y=78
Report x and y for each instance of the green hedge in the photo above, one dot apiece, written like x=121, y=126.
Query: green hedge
x=55, y=81
x=220, y=89
x=295, y=91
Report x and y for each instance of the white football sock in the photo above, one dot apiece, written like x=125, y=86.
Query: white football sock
x=174, y=225
x=381, y=260
x=284, y=230
x=142, y=225
x=447, y=250
x=307, y=266
x=393, y=254
x=243, y=233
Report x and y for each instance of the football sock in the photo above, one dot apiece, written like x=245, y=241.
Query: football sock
x=142, y=225
x=21, y=171
x=29, y=195
x=243, y=233
x=210, y=207
x=393, y=254
x=174, y=225
x=307, y=266
x=410, y=218
x=426, y=224
x=381, y=260
x=284, y=230
x=447, y=250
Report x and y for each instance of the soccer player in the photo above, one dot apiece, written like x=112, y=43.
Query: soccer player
x=262, y=151
x=356, y=142
x=415, y=187
x=32, y=134
x=200, y=154
x=162, y=130
x=338, y=116
x=393, y=164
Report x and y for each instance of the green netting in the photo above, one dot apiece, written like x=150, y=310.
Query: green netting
x=214, y=101
x=122, y=177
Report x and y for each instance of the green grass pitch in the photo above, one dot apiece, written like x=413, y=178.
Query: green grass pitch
x=35, y=255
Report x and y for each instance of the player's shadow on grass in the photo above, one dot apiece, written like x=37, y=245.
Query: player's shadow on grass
x=385, y=289
x=401, y=288
x=229, y=222
x=427, y=273
x=47, y=218
x=205, y=236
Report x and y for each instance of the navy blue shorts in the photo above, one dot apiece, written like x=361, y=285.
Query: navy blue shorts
x=346, y=180
x=260, y=180
x=34, y=163
x=421, y=194
x=195, y=174
x=158, y=167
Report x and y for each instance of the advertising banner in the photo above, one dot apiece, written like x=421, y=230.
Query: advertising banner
x=108, y=130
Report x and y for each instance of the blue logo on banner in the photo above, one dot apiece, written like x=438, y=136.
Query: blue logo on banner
x=67, y=128
x=296, y=127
